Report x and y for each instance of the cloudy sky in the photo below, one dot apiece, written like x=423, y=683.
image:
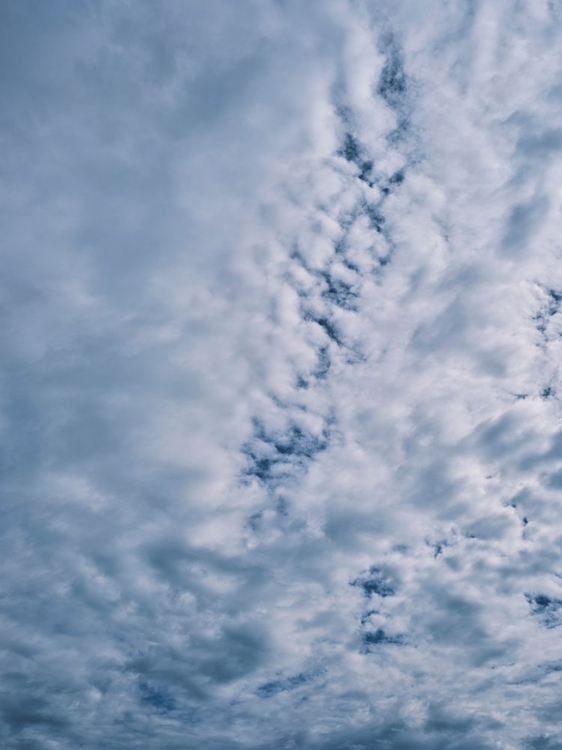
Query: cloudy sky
x=280, y=395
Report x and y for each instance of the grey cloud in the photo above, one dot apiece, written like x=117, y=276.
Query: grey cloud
x=541, y=144
x=523, y=221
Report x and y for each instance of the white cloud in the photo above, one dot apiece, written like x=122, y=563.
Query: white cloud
x=280, y=396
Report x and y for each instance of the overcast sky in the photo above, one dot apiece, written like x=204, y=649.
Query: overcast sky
x=280, y=395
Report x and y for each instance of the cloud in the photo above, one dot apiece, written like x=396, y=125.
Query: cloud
x=280, y=387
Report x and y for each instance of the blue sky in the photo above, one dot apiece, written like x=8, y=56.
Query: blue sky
x=280, y=386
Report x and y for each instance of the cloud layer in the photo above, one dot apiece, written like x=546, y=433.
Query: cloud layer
x=280, y=393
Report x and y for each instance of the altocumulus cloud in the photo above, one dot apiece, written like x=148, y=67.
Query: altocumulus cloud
x=280, y=392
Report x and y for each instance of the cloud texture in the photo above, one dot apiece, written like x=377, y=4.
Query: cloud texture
x=280, y=391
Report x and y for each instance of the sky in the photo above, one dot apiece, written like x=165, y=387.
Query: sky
x=280, y=387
